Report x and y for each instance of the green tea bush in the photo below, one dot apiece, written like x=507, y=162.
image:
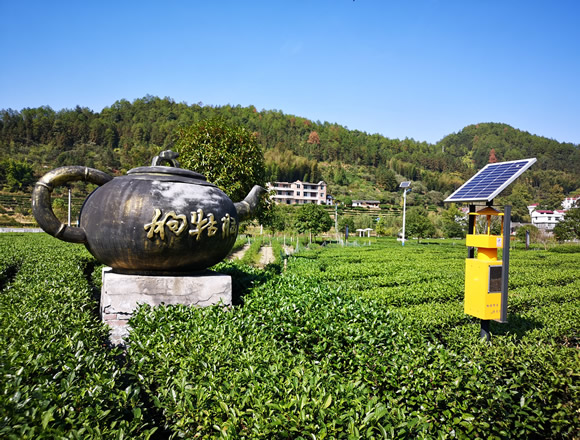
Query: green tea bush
x=311, y=355
x=349, y=342
x=566, y=249
x=59, y=380
x=252, y=255
x=278, y=252
x=303, y=363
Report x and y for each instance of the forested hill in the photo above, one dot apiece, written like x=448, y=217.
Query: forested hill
x=508, y=143
x=128, y=134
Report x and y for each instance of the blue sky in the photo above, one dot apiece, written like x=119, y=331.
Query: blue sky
x=419, y=69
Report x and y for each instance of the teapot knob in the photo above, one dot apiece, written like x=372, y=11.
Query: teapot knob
x=166, y=156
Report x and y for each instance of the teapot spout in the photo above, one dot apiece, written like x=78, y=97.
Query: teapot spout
x=246, y=207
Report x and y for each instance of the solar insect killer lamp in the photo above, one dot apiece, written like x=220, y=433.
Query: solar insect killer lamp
x=486, y=277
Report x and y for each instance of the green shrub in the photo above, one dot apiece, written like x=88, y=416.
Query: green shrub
x=59, y=379
x=348, y=342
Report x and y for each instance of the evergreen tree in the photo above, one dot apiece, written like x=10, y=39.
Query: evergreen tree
x=454, y=223
x=569, y=228
x=227, y=155
x=418, y=223
x=386, y=179
x=312, y=218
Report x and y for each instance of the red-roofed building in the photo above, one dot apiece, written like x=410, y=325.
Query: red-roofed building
x=571, y=202
x=544, y=219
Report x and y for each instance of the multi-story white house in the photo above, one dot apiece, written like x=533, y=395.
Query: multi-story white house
x=299, y=193
x=544, y=219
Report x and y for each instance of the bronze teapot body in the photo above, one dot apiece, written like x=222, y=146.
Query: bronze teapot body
x=157, y=219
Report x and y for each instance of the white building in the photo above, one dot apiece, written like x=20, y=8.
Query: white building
x=543, y=219
x=373, y=204
x=532, y=208
x=571, y=202
x=298, y=193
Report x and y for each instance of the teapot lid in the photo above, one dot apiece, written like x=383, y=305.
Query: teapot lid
x=167, y=170
x=173, y=170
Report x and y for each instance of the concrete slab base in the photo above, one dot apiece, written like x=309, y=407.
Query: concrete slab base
x=121, y=294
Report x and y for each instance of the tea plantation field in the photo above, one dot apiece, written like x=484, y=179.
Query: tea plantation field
x=365, y=342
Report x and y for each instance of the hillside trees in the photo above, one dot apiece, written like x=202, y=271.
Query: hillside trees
x=520, y=197
x=15, y=175
x=127, y=134
x=550, y=196
x=285, y=166
x=505, y=141
x=386, y=179
x=339, y=176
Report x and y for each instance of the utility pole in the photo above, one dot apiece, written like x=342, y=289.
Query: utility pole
x=336, y=221
x=69, y=199
x=406, y=189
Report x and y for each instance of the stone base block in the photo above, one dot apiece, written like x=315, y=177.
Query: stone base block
x=121, y=294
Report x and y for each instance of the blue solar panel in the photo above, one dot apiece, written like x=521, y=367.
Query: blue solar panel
x=490, y=181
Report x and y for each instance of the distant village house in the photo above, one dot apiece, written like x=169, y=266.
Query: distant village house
x=372, y=204
x=299, y=193
x=545, y=219
x=571, y=202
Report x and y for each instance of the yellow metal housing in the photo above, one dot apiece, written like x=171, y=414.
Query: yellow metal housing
x=482, y=288
x=483, y=298
x=484, y=241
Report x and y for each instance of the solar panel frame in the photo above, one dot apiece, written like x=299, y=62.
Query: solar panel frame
x=491, y=180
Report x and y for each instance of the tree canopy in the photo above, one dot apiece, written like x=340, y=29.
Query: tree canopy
x=312, y=218
x=16, y=175
x=569, y=228
x=228, y=155
x=417, y=223
x=453, y=222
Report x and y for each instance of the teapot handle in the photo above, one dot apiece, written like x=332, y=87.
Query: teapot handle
x=42, y=206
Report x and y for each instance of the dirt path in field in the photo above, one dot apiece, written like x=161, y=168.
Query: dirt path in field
x=239, y=253
x=266, y=256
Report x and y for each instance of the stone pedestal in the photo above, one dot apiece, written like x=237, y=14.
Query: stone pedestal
x=121, y=294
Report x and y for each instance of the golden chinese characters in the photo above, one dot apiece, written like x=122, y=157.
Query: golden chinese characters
x=199, y=222
x=175, y=223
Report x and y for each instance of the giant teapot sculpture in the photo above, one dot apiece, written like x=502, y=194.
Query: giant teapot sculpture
x=157, y=219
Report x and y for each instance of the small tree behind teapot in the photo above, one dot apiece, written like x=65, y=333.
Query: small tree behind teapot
x=228, y=155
